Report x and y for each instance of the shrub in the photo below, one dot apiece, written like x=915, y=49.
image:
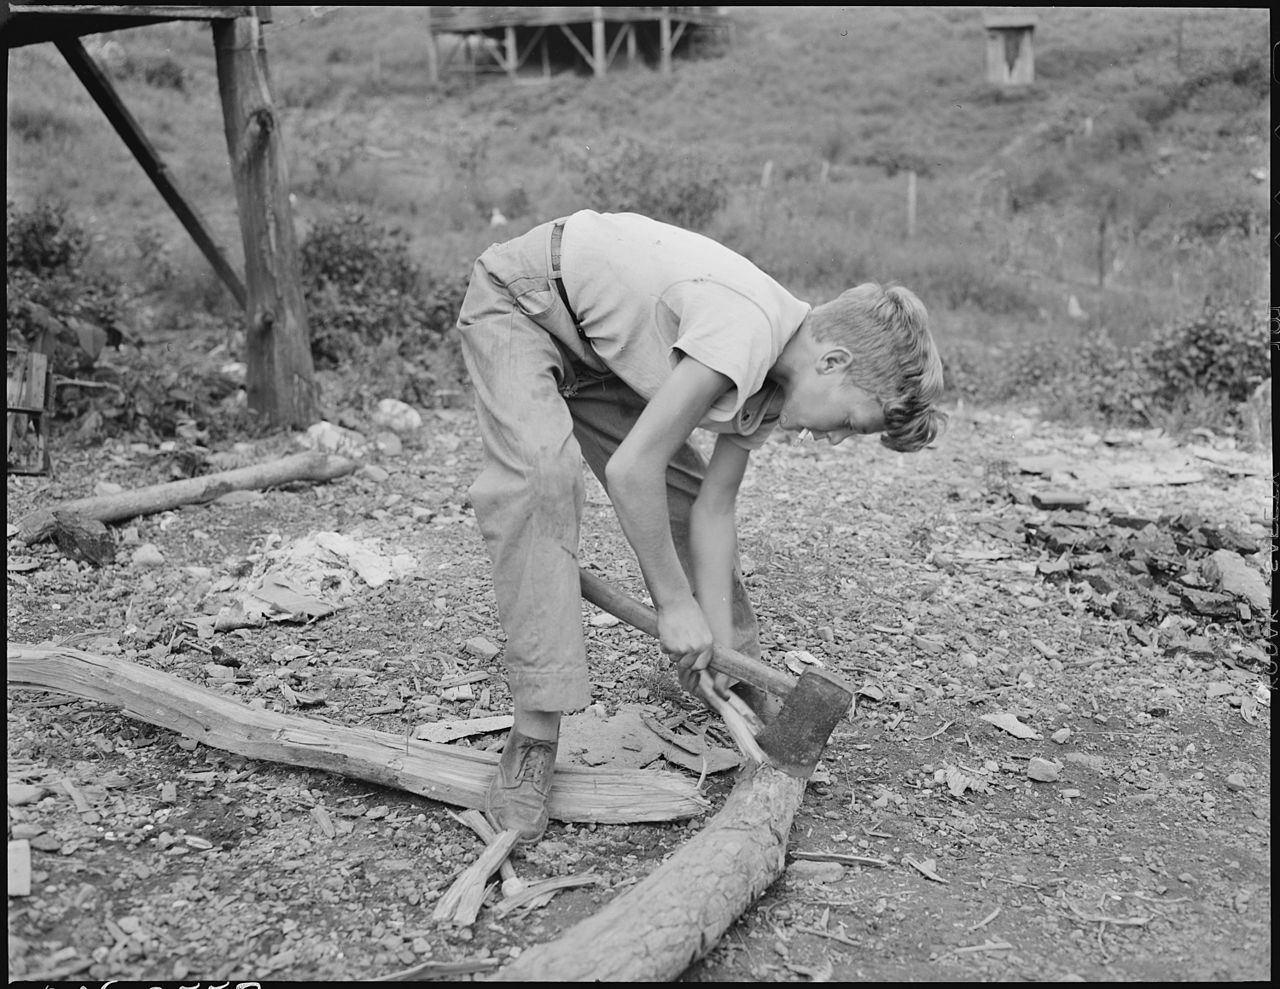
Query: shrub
x=1197, y=371
x=665, y=182
x=1220, y=351
x=362, y=288
x=41, y=240
x=165, y=73
x=52, y=290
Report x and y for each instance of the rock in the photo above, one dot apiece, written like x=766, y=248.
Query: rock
x=1208, y=604
x=373, y=473
x=19, y=868
x=1230, y=574
x=818, y=872
x=482, y=647
x=388, y=443
x=1235, y=781
x=1043, y=770
x=1061, y=735
x=20, y=794
x=329, y=438
x=397, y=417
x=147, y=556
x=1060, y=499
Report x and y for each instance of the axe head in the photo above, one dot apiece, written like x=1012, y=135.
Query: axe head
x=795, y=739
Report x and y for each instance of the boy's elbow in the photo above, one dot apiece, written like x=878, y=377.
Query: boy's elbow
x=618, y=473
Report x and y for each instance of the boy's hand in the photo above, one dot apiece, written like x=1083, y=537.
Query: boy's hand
x=685, y=636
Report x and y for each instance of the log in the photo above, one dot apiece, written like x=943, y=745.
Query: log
x=450, y=775
x=672, y=918
x=310, y=466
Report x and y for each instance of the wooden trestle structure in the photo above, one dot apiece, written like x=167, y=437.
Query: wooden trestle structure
x=280, y=377
x=511, y=39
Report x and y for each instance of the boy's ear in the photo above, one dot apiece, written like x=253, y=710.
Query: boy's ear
x=834, y=359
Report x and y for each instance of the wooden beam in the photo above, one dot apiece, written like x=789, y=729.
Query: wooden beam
x=617, y=43
x=452, y=775
x=166, y=11
x=677, y=34
x=573, y=39
x=528, y=49
x=108, y=100
x=280, y=382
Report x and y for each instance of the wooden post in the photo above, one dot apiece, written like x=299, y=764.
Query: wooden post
x=664, y=46
x=281, y=377
x=108, y=100
x=433, y=49
x=911, y=203
x=512, y=55
x=631, y=45
x=1102, y=250
x=598, y=58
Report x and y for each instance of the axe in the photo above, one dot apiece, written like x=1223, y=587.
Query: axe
x=812, y=705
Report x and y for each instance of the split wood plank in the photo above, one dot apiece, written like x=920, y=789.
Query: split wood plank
x=511, y=883
x=309, y=466
x=460, y=903
x=454, y=776
x=669, y=920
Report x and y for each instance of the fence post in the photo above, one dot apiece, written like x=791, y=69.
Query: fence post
x=911, y=203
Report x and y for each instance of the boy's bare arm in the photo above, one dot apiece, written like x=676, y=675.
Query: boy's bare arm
x=636, y=475
x=713, y=538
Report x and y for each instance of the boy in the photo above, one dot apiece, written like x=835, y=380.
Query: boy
x=609, y=337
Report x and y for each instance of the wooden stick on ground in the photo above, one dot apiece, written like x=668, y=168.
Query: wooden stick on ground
x=511, y=883
x=655, y=930
x=442, y=772
x=309, y=466
x=460, y=903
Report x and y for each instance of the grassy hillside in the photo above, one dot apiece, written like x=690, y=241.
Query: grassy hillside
x=1133, y=176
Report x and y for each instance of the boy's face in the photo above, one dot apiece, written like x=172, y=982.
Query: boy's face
x=826, y=403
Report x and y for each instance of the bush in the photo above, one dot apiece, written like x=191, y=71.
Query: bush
x=42, y=241
x=1220, y=351
x=363, y=288
x=1196, y=372
x=665, y=182
x=53, y=291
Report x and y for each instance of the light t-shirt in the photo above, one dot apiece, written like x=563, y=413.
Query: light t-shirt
x=646, y=293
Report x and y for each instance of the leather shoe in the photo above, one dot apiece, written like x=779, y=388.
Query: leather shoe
x=517, y=797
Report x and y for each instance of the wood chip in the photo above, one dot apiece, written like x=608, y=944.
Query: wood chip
x=460, y=903
x=538, y=894
x=448, y=731
x=926, y=869
x=840, y=857
x=324, y=821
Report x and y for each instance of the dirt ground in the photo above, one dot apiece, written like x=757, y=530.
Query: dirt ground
x=1058, y=770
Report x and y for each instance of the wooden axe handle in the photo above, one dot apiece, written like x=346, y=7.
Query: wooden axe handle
x=723, y=660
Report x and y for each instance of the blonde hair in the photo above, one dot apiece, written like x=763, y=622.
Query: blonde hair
x=887, y=330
